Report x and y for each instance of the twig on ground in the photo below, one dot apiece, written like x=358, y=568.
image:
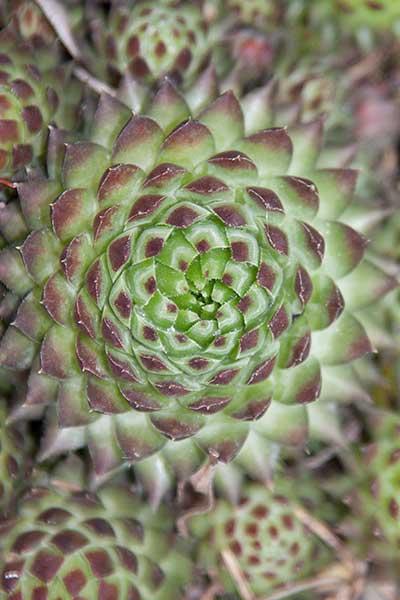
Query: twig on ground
x=320, y=459
x=352, y=571
x=195, y=495
x=321, y=530
x=95, y=84
x=237, y=574
x=315, y=583
x=58, y=17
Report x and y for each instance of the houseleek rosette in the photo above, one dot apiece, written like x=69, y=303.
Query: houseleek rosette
x=254, y=13
x=31, y=98
x=30, y=22
x=150, y=40
x=377, y=15
x=329, y=24
x=180, y=277
x=262, y=530
x=372, y=484
x=33, y=26
x=61, y=544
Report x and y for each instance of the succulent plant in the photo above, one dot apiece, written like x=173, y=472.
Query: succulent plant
x=379, y=14
x=181, y=282
x=339, y=28
x=62, y=544
x=305, y=24
x=272, y=546
x=385, y=238
x=9, y=304
x=32, y=24
x=149, y=40
x=195, y=283
x=30, y=99
x=13, y=458
x=374, y=492
x=259, y=14
x=304, y=93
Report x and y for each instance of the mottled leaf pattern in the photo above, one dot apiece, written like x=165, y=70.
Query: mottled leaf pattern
x=102, y=546
x=184, y=284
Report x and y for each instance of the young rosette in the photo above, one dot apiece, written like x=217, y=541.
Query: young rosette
x=385, y=242
x=78, y=545
x=30, y=99
x=180, y=278
x=30, y=22
x=271, y=546
x=329, y=24
x=150, y=40
x=260, y=14
x=375, y=495
x=377, y=15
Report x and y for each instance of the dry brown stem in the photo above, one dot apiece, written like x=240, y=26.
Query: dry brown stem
x=195, y=495
x=58, y=17
x=95, y=84
x=315, y=583
x=237, y=575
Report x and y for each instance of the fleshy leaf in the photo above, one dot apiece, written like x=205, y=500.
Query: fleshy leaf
x=336, y=188
x=138, y=143
x=16, y=350
x=307, y=141
x=300, y=385
x=344, y=248
x=137, y=437
x=271, y=150
x=168, y=107
x=13, y=273
x=57, y=354
x=188, y=145
x=224, y=118
x=84, y=164
x=354, y=292
x=345, y=341
x=110, y=117
x=35, y=201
